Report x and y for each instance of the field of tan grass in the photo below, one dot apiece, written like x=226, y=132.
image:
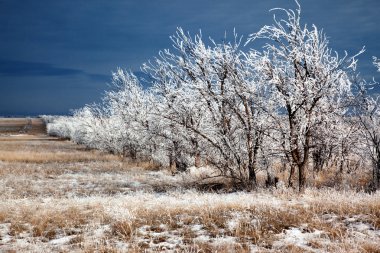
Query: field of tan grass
x=34, y=126
x=56, y=196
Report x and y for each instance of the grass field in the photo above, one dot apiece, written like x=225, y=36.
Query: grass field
x=56, y=196
x=33, y=126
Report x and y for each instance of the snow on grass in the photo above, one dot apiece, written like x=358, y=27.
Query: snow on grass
x=167, y=220
x=297, y=237
x=114, y=206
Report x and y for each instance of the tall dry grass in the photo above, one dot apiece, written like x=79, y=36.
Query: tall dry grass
x=59, y=197
x=58, y=157
x=192, y=221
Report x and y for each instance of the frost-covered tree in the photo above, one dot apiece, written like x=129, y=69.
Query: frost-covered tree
x=376, y=63
x=209, y=94
x=118, y=125
x=308, y=81
x=368, y=115
x=237, y=109
x=128, y=105
x=62, y=126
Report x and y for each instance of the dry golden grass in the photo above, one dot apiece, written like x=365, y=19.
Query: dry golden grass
x=58, y=157
x=271, y=221
x=39, y=149
x=358, y=179
x=144, y=222
x=34, y=126
x=144, y=165
x=47, y=224
x=56, y=196
x=370, y=247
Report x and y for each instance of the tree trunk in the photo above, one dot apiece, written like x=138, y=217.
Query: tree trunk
x=197, y=160
x=197, y=155
x=304, y=164
x=291, y=175
x=180, y=165
x=252, y=176
x=376, y=175
x=302, y=178
x=172, y=164
x=252, y=157
x=133, y=153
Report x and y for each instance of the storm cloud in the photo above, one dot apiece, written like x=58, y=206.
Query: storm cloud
x=58, y=55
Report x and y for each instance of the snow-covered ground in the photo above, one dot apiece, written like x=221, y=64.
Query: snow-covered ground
x=103, y=204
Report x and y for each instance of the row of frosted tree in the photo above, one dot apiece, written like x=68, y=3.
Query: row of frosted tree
x=293, y=103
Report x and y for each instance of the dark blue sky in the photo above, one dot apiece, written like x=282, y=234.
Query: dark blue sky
x=59, y=55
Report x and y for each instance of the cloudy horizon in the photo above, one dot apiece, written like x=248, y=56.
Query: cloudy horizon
x=59, y=55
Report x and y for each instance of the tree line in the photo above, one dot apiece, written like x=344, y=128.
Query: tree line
x=293, y=103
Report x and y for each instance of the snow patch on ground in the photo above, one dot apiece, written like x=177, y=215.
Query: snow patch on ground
x=159, y=238
x=360, y=228
x=4, y=233
x=297, y=237
x=201, y=172
x=62, y=240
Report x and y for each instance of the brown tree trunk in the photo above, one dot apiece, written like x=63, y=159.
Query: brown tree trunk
x=252, y=156
x=172, y=164
x=376, y=175
x=133, y=153
x=197, y=160
x=197, y=156
x=291, y=175
x=302, y=178
x=304, y=164
x=252, y=176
